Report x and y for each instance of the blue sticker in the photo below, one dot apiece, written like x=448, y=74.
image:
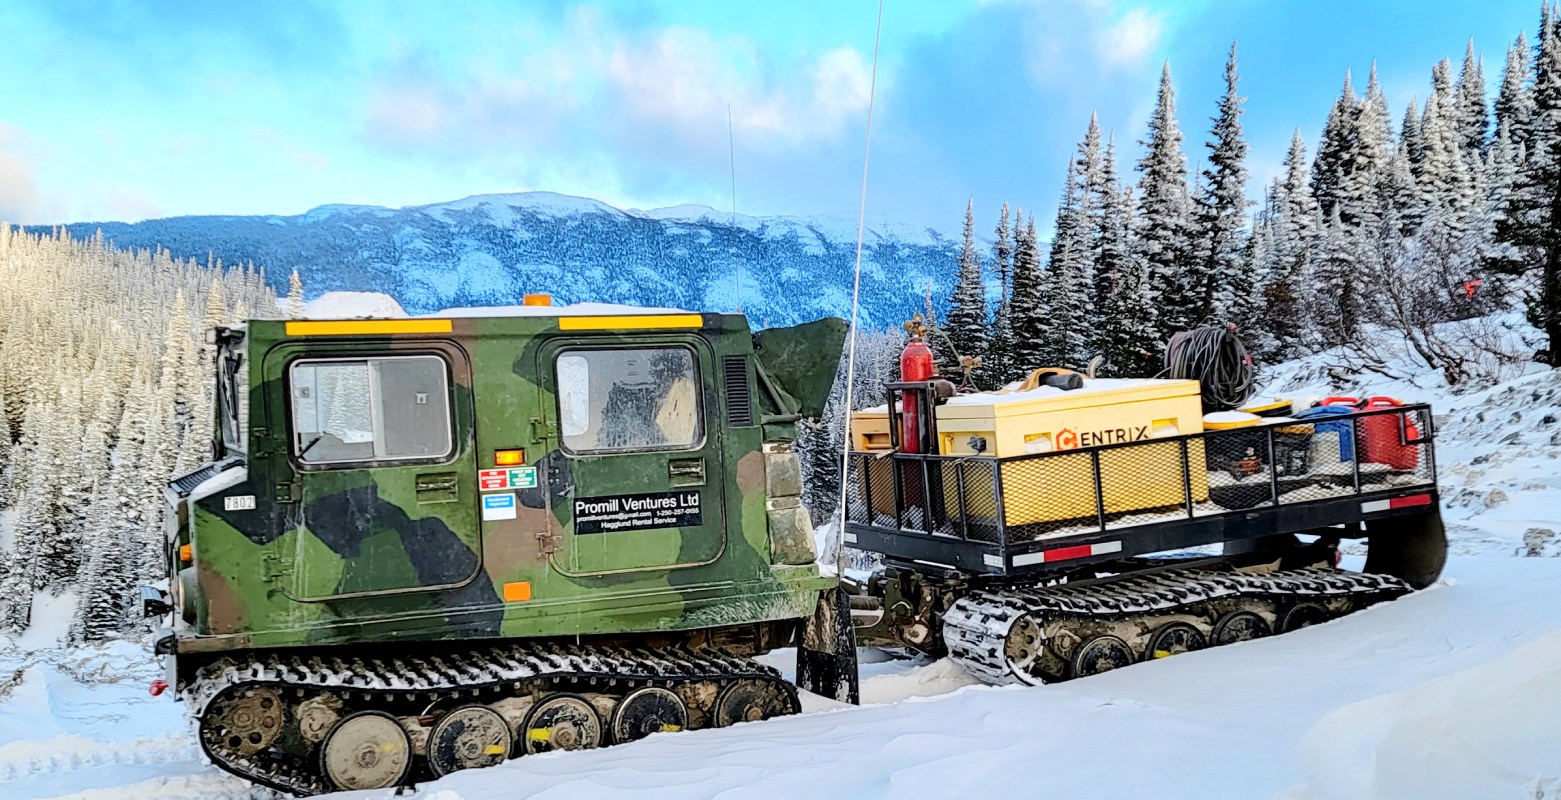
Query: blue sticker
x=498, y=506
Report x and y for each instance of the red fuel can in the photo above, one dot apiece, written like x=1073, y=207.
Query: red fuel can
x=1381, y=438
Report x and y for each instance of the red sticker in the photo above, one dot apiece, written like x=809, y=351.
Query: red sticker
x=493, y=480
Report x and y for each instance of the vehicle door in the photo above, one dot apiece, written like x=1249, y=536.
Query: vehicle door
x=635, y=480
x=377, y=489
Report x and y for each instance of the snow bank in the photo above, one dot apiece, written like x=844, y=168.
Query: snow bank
x=1449, y=693
x=1220, y=723
x=51, y=618
x=1489, y=731
x=353, y=305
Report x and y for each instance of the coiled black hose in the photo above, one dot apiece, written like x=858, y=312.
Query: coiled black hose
x=1216, y=358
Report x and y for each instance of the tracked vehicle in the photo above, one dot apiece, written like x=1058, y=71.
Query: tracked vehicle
x=436, y=543
x=1048, y=533
x=432, y=544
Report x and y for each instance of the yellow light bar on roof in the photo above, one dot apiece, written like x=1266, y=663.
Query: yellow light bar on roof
x=366, y=327
x=630, y=322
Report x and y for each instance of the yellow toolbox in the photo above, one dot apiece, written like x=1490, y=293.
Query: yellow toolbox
x=1046, y=419
x=870, y=430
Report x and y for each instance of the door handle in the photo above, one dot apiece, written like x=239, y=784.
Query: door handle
x=686, y=471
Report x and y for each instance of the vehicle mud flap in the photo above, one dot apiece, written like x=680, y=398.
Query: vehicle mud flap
x=1412, y=547
x=826, y=656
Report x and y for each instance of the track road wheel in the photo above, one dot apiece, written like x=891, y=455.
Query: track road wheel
x=1024, y=651
x=1172, y=639
x=562, y=722
x=1100, y=654
x=645, y=711
x=1412, y=548
x=1301, y=616
x=750, y=700
x=470, y=736
x=368, y=750
x=1240, y=626
x=250, y=718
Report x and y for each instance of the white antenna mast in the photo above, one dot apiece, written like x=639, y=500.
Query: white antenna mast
x=856, y=291
x=731, y=143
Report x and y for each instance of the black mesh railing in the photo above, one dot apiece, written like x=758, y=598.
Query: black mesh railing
x=1026, y=498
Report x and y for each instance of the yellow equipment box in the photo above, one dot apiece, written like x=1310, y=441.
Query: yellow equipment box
x=1046, y=419
x=1104, y=411
x=870, y=429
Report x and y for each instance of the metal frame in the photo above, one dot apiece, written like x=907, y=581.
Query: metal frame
x=931, y=533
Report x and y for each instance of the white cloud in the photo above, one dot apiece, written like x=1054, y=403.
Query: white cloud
x=1131, y=39
x=1069, y=37
x=18, y=186
x=670, y=86
x=684, y=79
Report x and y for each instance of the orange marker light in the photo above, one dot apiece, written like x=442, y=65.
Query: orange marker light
x=509, y=458
x=186, y=554
x=517, y=592
x=539, y=299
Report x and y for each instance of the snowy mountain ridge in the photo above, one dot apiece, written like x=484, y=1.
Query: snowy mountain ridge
x=490, y=249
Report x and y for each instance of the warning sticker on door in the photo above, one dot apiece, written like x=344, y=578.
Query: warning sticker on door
x=498, y=506
x=637, y=512
x=523, y=478
x=498, y=480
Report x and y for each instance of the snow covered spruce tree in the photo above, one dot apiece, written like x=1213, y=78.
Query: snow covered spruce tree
x=1530, y=226
x=1514, y=104
x=295, y=296
x=966, y=324
x=1127, y=334
x=1473, y=115
x=1352, y=159
x=1110, y=244
x=1226, y=271
x=104, y=385
x=1293, y=225
x=1067, y=281
x=1028, y=318
x=1164, y=218
x=998, y=363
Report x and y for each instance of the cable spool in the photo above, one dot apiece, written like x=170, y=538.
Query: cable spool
x=1218, y=361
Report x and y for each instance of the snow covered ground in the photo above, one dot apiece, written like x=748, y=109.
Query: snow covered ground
x=1448, y=694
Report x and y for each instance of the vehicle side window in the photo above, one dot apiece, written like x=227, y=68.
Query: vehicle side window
x=644, y=398
x=395, y=408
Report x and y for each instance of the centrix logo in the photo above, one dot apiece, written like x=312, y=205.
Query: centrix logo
x=1069, y=439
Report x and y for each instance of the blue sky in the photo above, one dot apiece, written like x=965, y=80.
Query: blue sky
x=130, y=110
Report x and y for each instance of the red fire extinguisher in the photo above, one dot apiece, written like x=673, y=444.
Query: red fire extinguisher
x=915, y=366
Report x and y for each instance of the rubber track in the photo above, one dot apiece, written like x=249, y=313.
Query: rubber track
x=426, y=677
x=976, y=626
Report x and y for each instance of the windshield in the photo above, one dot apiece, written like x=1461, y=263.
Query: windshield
x=232, y=392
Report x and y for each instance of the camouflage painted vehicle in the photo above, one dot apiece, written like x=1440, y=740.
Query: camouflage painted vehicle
x=435, y=543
